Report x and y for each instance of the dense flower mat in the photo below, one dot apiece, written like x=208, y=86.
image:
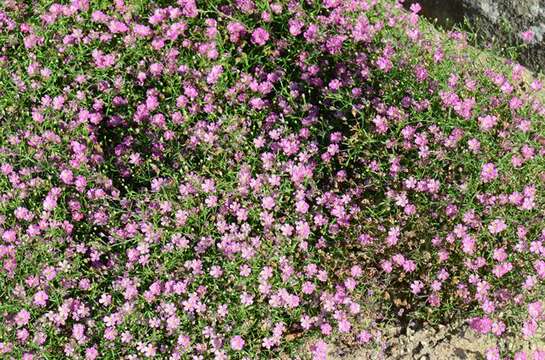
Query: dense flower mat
x=250, y=179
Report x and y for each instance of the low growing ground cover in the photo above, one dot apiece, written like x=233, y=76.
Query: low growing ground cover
x=229, y=179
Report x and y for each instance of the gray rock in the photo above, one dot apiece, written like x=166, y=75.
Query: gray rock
x=500, y=21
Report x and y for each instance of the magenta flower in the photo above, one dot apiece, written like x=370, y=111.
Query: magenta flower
x=527, y=36
x=103, y=61
x=156, y=69
x=260, y=36
x=236, y=31
x=116, y=27
x=9, y=236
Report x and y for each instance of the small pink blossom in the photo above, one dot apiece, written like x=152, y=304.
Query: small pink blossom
x=22, y=318
x=319, y=350
x=260, y=36
x=535, y=309
x=497, y=226
x=527, y=36
x=237, y=343
x=40, y=298
x=489, y=172
x=487, y=122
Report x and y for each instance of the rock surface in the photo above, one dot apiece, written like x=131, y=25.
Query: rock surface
x=499, y=21
x=442, y=343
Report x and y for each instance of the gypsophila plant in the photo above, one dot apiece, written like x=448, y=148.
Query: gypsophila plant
x=228, y=179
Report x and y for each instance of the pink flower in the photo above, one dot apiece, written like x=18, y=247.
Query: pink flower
x=474, y=145
x=335, y=43
x=527, y=36
x=498, y=328
x=9, y=236
x=416, y=287
x=489, y=172
x=78, y=332
x=415, y=8
x=102, y=61
x=156, y=69
x=236, y=30
x=538, y=355
x=468, y=244
x=421, y=73
x=295, y=26
x=301, y=207
x=173, y=322
x=487, y=122
x=488, y=306
x=481, y=325
x=364, y=337
x=497, y=226
x=303, y=230
x=535, y=309
x=539, y=266
x=116, y=27
x=246, y=299
x=214, y=74
x=325, y=329
x=260, y=36
x=189, y=8
x=237, y=343
x=50, y=203
x=40, y=298
x=344, y=326
x=91, y=353
x=67, y=176
x=142, y=30
x=381, y=124
x=22, y=335
x=22, y=318
x=319, y=350
x=268, y=202
x=110, y=333
x=529, y=328
x=493, y=354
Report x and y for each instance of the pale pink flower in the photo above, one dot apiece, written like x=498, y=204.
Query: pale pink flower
x=40, y=298
x=487, y=122
x=237, y=343
x=489, y=172
x=22, y=318
x=497, y=226
x=535, y=309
